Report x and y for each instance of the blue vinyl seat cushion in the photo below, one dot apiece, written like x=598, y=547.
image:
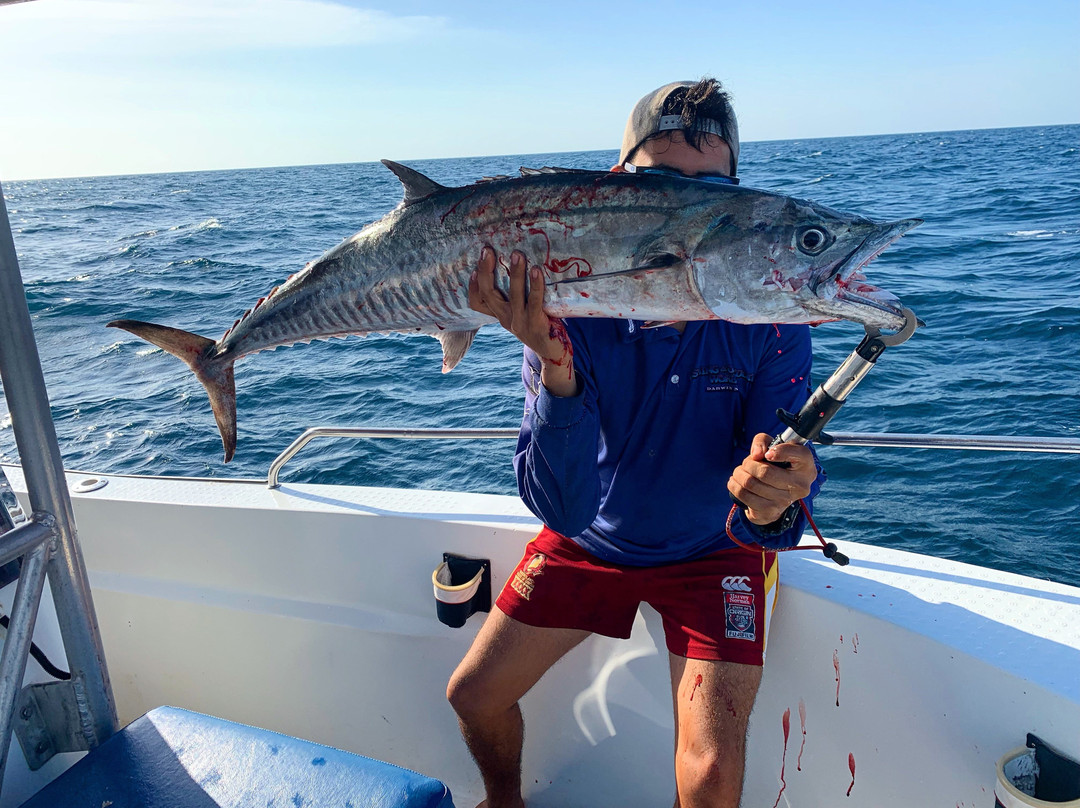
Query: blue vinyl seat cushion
x=173, y=758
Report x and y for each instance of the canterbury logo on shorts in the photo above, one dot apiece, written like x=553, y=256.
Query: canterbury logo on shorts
x=736, y=583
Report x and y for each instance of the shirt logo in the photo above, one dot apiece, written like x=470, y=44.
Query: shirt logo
x=523, y=581
x=736, y=583
x=721, y=379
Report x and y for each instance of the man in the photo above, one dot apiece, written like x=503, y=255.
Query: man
x=630, y=436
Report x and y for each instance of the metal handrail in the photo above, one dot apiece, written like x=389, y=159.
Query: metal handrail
x=986, y=443
x=378, y=432
x=59, y=559
x=22, y=539
x=20, y=634
x=891, y=440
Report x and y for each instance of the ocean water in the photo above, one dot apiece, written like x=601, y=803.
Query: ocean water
x=994, y=272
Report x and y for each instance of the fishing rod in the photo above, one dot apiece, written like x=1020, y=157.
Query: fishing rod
x=807, y=425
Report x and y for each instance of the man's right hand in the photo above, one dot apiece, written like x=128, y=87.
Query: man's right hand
x=523, y=316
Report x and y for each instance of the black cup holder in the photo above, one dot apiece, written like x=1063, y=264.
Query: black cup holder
x=462, y=587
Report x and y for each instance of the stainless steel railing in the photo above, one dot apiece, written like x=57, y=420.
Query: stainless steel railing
x=47, y=542
x=883, y=440
x=378, y=432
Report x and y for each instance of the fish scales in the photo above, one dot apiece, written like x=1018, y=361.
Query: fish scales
x=607, y=244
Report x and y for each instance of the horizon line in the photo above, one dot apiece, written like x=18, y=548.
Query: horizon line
x=509, y=154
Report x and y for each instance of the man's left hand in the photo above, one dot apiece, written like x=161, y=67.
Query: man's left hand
x=768, y=490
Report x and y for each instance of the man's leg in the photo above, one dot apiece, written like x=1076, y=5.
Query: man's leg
x=712, y=702
x=716, y=617
x=506, y=659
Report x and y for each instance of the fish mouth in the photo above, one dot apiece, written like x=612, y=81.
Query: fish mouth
x=848, y=282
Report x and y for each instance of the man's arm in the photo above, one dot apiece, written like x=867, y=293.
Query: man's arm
x=556, y=459
x=768, y=490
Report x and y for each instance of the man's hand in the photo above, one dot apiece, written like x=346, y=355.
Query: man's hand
x=768, y=490
x=523, y=316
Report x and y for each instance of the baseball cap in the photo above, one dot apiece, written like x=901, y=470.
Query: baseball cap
x=647, y=119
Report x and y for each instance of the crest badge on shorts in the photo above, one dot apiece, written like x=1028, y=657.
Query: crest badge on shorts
x=523, y=581
x=740, y=616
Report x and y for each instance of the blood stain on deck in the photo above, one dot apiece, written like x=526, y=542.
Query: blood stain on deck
x=783, y=760
x=836, y=667
x=802, y=721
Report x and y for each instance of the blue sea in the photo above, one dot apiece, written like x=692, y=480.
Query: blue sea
x=994, y=272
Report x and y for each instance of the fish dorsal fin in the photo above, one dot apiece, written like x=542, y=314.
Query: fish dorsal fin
x=455, y=344
x=532, y=172
x=417, y=186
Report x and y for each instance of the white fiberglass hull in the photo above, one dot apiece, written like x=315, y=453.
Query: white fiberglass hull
x=309, y=610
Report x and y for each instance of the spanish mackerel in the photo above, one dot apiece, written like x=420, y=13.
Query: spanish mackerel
x=609, y=244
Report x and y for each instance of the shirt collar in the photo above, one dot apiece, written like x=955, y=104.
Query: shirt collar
x=631, y=330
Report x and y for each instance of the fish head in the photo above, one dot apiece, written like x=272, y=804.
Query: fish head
x=797, y=260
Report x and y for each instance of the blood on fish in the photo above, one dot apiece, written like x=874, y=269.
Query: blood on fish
x=783, y=760
x=697, y=684
x=851, y=765
x=802, y=721
x=836, y=665
x=777, y=329
x=581, y=267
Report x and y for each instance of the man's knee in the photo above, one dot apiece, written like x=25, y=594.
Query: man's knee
x=472, y=695
x=462, y=693
x=709, y=778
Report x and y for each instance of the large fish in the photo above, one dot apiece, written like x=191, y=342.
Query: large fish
x=645, y=247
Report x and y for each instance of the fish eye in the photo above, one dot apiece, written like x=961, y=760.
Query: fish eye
x=812, y=240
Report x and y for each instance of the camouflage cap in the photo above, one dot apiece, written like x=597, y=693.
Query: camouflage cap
x=647, y=119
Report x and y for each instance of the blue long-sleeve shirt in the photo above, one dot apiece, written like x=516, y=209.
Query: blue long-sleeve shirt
x=635, y=467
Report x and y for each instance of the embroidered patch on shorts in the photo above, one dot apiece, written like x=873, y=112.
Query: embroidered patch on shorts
x=740, y=614
x=523, y=582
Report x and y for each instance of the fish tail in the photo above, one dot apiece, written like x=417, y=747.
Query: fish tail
x=215, y=373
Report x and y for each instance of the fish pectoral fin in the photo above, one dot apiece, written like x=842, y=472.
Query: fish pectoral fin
x=455, y=344
x=656, y=262
x=417, y=186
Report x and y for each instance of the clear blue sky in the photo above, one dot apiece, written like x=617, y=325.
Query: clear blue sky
x=130, y=86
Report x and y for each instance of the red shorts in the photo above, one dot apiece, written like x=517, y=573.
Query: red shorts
x=716, y=607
